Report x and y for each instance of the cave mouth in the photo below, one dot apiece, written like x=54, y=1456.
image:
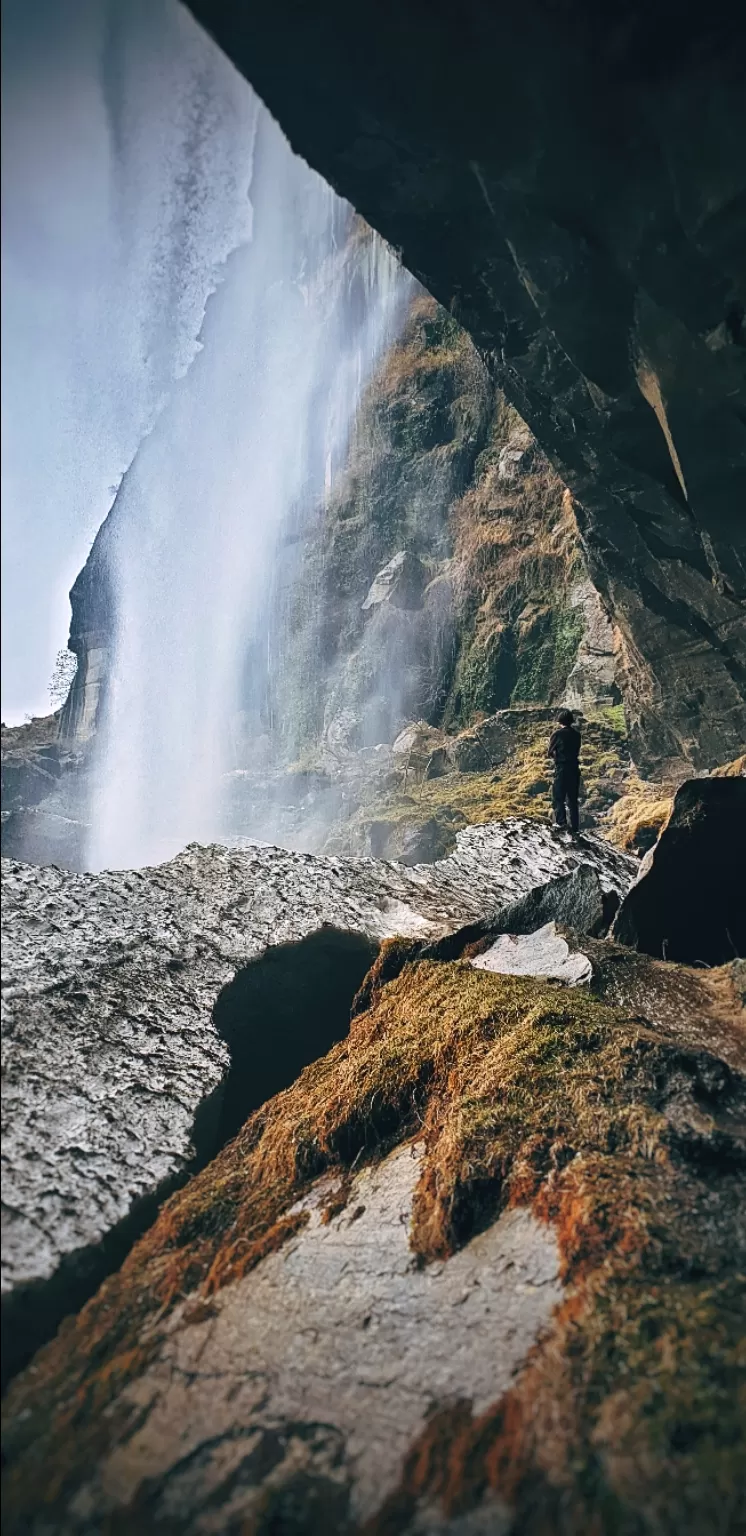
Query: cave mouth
x=283, y=1011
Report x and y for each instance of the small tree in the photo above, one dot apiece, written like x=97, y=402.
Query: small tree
x=65, y=668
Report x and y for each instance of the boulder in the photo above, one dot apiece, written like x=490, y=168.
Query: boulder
x=438, y=763
x=422, y=843
x=689, y=900
x=401, y=582
x=423, y=750
x=484, y=746
x=469, y=754
x=576, y=901
x=415, y=737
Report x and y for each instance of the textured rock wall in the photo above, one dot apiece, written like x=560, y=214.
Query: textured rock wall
x=444, y=578
x=572, y=184
x=444, y=477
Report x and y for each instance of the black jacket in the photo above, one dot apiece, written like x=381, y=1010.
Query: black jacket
x=564, y=746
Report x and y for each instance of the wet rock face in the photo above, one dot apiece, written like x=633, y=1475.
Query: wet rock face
x=114, y=1049
x=689, y=901
x=401, y=583
x=593, y=679
x=601, y=270
x=43, y=794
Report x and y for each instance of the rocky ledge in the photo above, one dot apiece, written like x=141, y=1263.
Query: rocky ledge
x=478, y=1271
x=146, y=1013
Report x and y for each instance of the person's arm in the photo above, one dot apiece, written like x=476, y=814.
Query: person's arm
x=551, y=749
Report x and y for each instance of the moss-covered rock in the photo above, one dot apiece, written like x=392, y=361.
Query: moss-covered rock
x=622, y=1136
x=443, y=478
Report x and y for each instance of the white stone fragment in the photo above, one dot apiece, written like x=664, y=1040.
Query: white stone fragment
x=544, y=954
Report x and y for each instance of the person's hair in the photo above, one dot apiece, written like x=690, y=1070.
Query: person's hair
x=565, y=717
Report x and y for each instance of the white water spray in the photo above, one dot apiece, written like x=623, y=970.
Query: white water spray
x=252, y=437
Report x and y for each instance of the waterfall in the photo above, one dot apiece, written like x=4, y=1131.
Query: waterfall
x=246, y=448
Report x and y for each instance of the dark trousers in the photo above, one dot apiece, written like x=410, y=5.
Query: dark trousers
x=565, y=795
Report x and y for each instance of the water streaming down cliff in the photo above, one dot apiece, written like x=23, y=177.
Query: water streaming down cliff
x=243, y=455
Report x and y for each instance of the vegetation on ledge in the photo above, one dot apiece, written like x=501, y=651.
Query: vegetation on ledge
x=518, y=786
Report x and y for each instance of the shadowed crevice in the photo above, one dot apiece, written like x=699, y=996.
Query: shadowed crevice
x=283, y=1012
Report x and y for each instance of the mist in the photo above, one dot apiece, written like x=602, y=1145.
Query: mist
x=244, y=454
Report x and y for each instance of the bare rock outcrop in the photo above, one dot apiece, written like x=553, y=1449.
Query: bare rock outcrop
x=115, y=1055
x=544, y=954
x=477, y=1271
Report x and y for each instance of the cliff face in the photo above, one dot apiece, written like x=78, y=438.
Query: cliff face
x=92, y=624
x=572, y=185
x=488, y=601
x=445, y=577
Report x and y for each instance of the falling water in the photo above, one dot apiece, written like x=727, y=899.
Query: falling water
x=248, y=445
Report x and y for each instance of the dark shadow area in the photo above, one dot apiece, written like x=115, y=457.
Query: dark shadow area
x=689, y=903
x=283, y=1012
x=278, y=1015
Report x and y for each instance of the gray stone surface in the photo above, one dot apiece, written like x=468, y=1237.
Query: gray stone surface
x=401, y=582
x=593, y=679
x=544, y=954
x=110, y=980
x=576, y=900
x=329, y=1355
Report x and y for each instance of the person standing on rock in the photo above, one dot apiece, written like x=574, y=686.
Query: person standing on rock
x=564, y=749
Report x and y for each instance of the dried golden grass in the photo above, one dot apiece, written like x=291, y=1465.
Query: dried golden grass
x=639, y=814
x=520, y=786
x=734, y=770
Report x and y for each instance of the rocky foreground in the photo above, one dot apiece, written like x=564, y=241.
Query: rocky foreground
x=118, y=1032
x=477, y=1267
